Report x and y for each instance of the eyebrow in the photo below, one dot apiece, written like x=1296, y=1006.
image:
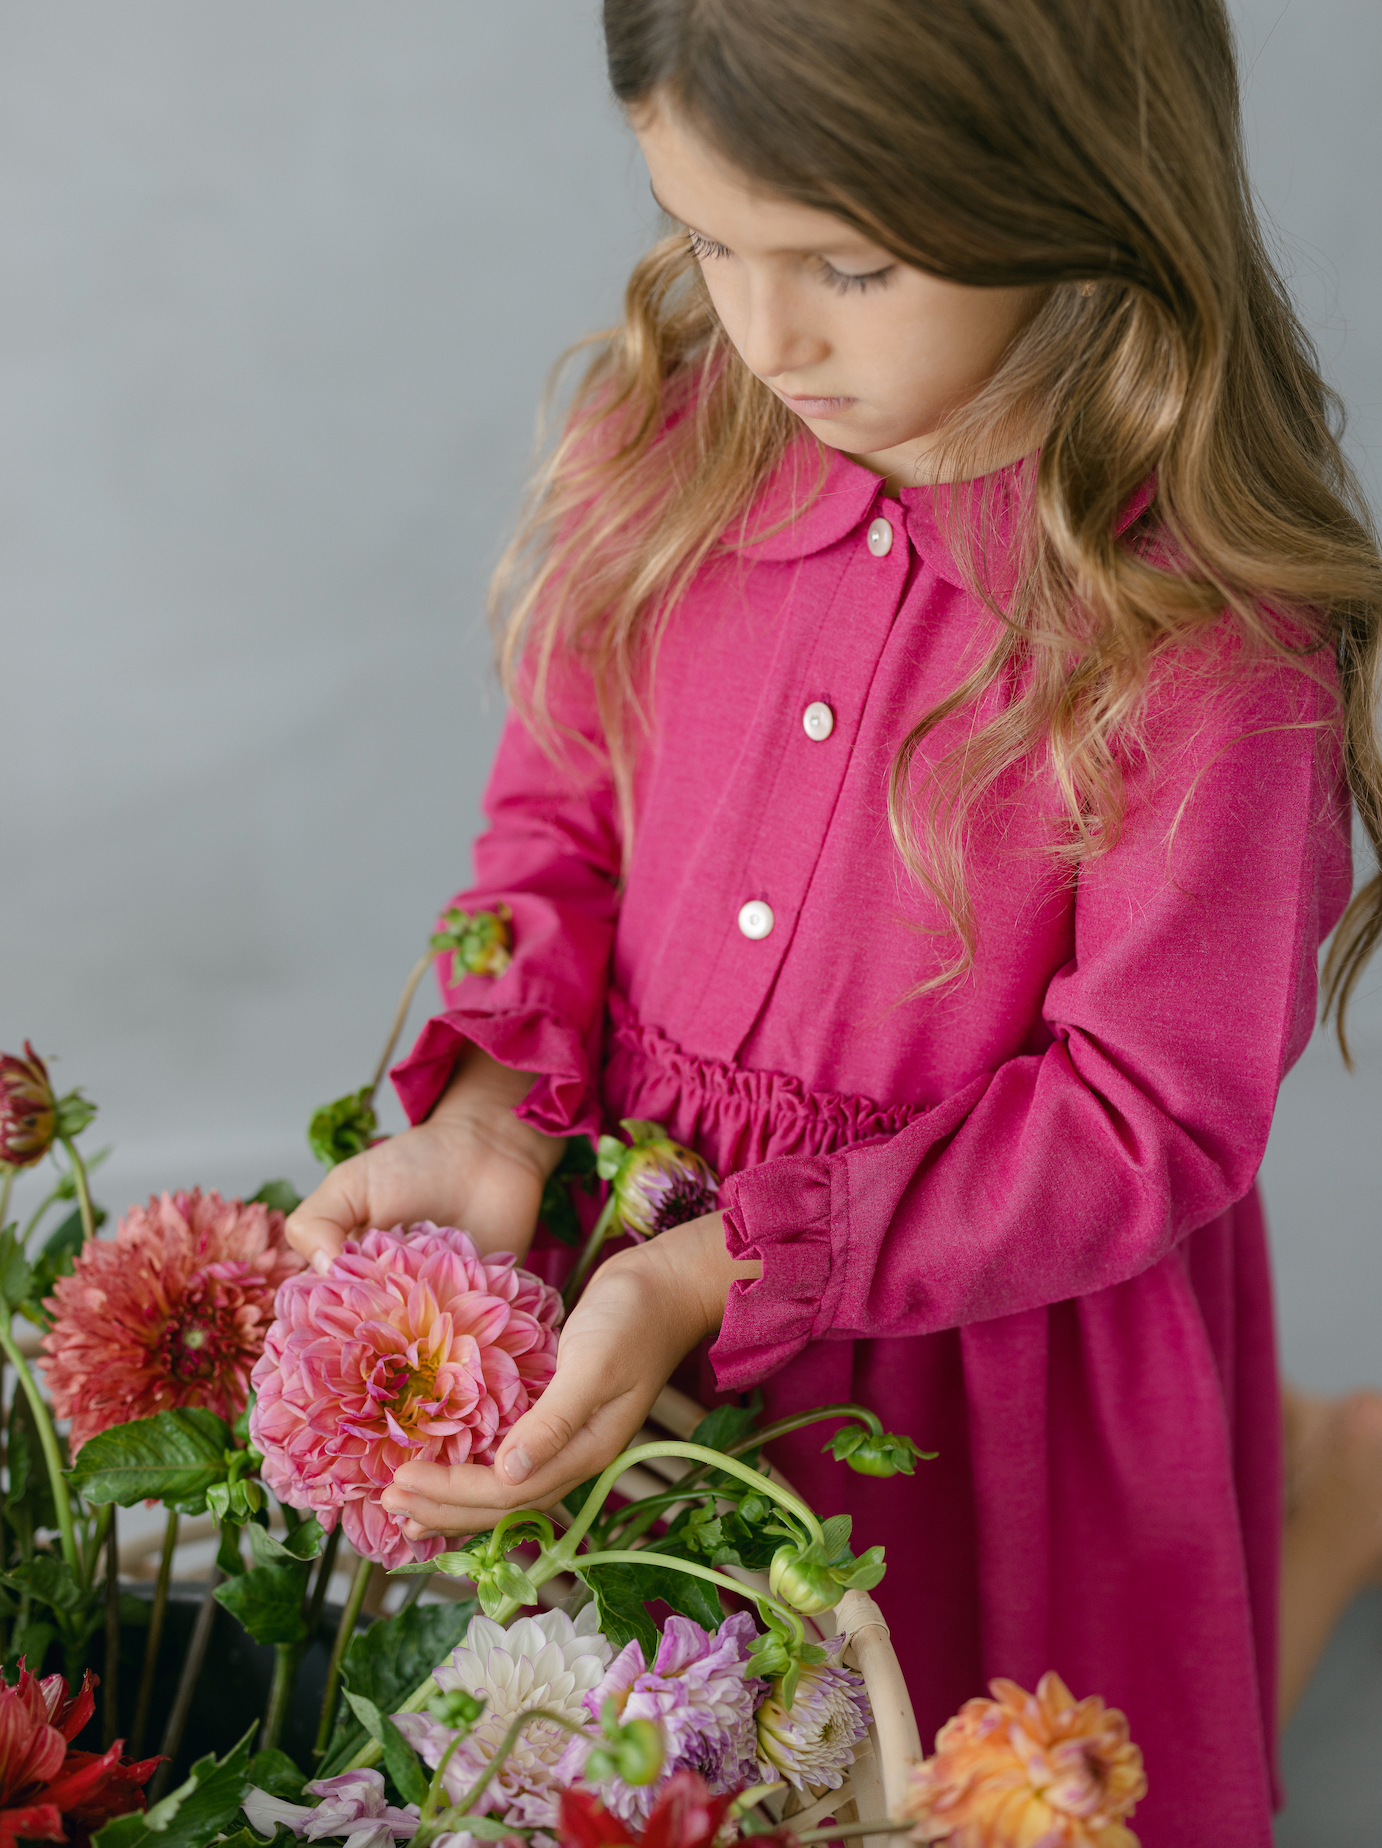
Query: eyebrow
x=822, y=250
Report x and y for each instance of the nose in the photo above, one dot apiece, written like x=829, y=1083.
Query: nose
x=778, y=338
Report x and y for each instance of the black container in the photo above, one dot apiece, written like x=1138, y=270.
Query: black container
x=232, y=1690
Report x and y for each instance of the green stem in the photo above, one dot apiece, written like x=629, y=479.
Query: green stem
x=83, y=1189
x=565, y=1550
x=415, y=1590
x=454, y=1817
x=639, y=1516
x=429, y=1808
x=419, y=969
x=359, y=1585
x=319, y=1590
x=110, y=1693
x=839, y=1831
x=157, y=1611
x=35, y=1217
x=6, y=1189
x=590, y=1251
x=641, y=1557
x=48, y=1439
x=286, y=1658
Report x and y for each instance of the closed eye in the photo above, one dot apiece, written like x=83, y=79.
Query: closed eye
x=844, y=282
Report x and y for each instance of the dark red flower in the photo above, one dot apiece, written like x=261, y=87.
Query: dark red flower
x=28, y=1111
x=684, y=1816
x=48, y=1792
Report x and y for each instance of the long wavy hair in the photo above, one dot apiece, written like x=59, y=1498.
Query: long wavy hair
x=1089, y=151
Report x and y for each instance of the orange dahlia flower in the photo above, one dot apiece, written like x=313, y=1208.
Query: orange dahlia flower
x=1026, y=1770
x=171, y=1311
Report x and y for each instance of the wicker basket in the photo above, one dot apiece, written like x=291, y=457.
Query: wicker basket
x=877, y=1782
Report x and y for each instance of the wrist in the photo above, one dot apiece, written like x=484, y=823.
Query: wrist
x=691, y=1267
x=481, y=1100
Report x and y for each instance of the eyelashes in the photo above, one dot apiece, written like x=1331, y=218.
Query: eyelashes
x=705, y=249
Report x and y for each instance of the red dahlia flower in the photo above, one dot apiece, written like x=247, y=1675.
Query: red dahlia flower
x=684, y=1816
x=48, y=1792
x=171, y=1311
x=414, y=1348
x=28, y=1110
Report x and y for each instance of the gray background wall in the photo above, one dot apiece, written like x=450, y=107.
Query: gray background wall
x=279, y=284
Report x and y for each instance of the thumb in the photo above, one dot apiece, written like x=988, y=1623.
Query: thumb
x=330, y=1213
x=554, y=1424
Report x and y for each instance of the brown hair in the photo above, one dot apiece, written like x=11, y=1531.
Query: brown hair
x=1093, y=151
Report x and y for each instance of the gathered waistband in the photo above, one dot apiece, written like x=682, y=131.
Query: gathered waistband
x=734, y=1117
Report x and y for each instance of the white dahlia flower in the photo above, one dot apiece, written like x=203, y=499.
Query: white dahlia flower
x=546, y=1661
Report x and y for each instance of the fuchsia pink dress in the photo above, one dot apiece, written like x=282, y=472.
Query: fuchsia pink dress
x=1016, y=1216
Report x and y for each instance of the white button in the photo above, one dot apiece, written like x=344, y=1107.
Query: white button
x=755, y=919
x=880, y=538
x=818, y=721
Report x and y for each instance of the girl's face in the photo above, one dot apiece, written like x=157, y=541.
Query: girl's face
x=870, y=353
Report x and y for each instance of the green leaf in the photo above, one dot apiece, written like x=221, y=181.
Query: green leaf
x=342, y=1128
x=194, y=1814
x=623, y=1613
x=400, y=1760
x=31, y=1642
x=836, y=1532
x=305, y=1542
x=489, y=1828
x=275, y=1772
x=52, y=1262
x=389, y=1660
x=173, y=1457
x=279, y=1197
x=725, y=1426
x=866, y=1572
x=267, y=1600
x=73, y=1114
x=52, y=1582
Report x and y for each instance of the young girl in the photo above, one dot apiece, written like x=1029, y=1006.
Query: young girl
x=941, y=647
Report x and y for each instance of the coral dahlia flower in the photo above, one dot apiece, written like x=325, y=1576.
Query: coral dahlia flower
x=48, y=1792
x=412, y=1348
x=1038, y=1768
x=171, y=1311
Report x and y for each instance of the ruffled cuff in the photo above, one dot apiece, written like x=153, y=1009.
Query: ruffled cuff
x=781, y=1214
x=563, y=1102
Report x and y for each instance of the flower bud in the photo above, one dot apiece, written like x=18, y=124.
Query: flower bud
x=456, y=1709
x=344, y=1128
x=632, y=1752
x=875, y=1453
x=28, y=1109
x=480, y=942
x=656, y=1183
x=802, y=1579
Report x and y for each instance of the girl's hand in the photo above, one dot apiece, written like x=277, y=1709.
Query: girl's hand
x=472, y=1165
x=643, y=1310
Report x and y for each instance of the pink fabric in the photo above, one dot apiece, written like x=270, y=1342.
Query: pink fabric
x=1017, y=1215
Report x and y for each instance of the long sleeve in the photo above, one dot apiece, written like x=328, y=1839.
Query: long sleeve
x=1191, y=991
x=552, y=855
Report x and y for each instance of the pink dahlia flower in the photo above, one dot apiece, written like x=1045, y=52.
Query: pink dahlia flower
x=413, y=1348
x=171, y=1311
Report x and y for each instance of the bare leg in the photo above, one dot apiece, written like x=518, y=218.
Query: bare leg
x=1333, y=1539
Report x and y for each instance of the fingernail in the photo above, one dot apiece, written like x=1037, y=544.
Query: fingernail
x=320, y=1262
x=518, y=1466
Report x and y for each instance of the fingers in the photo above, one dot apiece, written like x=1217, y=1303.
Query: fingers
x=328, y=1216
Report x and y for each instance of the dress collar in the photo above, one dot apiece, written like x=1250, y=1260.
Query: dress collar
x=834, y=505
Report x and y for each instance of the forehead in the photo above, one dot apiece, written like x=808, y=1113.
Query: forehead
x=695, y=183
